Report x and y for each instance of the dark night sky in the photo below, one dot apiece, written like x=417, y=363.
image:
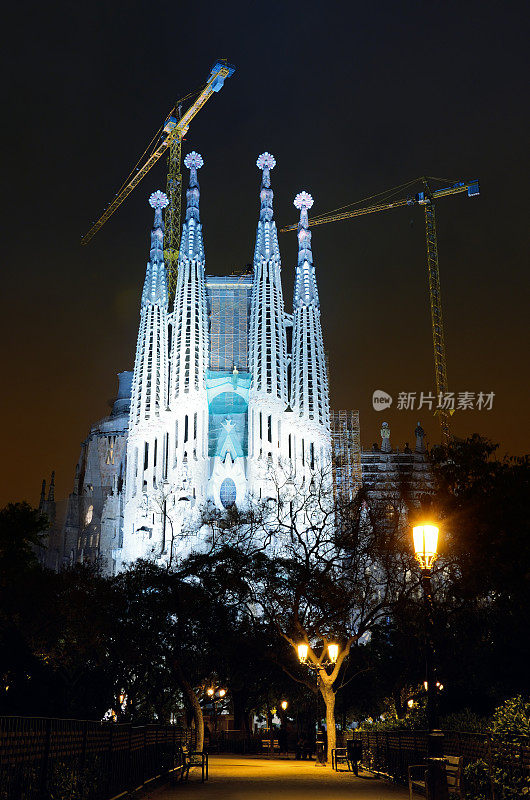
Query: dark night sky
x=352, y=98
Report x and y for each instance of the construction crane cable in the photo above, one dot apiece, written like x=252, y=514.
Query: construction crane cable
x=426, y=199
x=153, y=143
x=176, y=130
x=441, y=180
x=388, y=193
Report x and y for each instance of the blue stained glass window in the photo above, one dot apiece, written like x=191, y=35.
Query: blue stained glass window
x=227, y=492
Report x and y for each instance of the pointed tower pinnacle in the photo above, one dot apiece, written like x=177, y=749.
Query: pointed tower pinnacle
x=191, y=244
x=42, y=495
x=155, y=286
x=51, y=490
x=190, y=340
x=309, y=385
x=149, y=386
x=267, y=236
x=305, y=291
x=267, y=337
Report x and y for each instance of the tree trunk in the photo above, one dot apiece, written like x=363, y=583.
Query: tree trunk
x=329, y=699
x=239, y=700
x=400, y=708
x=192, y=702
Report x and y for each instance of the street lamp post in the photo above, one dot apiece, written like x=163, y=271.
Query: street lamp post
x=318, y=668
x=211, y=692
x=425, y=539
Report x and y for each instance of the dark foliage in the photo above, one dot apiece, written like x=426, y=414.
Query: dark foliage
x=71, y=643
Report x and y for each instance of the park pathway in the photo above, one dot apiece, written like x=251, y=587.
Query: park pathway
x=248, y=778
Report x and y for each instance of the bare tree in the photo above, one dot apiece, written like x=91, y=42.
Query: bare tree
x=334, y=568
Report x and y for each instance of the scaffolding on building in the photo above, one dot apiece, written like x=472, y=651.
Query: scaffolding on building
x=346, y=453
x=228, y=310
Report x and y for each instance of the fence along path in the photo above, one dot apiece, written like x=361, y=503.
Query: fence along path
x=505, y=759
x=41, y=757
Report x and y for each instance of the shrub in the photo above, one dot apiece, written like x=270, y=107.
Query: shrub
x=476, y=781
x=466, y=721
x=511, y=717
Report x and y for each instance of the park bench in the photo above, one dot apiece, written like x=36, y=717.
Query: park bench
x=194, y=758
x=339, y=755
x=453, y=770
x=349, y=755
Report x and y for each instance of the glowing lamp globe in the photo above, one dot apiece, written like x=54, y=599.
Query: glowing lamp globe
x=210, y=692
x=425, y=544
x=333, y=652
x=302, y=653
x=222, y=692
x=284, y=705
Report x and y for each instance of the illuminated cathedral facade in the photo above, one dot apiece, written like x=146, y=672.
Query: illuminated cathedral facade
x=228, y=404
x=222, y=411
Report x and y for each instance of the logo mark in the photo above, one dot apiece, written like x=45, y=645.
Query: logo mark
x=381, y=400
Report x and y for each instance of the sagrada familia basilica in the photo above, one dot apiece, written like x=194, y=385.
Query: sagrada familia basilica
x=229, y=396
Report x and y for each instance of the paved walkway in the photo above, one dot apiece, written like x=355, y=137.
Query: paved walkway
x=247, y=778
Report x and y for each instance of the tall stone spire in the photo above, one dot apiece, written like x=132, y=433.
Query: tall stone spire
x=42, y=495
x=191, y=243
x=149, y=389
x=190, y=343
x=155, y=286
x=267, y=338
x=267, y=236
x=51, y=490
x=305, y=290
x=309, y=384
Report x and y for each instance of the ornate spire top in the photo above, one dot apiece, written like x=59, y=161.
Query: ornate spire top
x=303, y=200
x=155, y=288
x=194, y=159
x=158, y=200
x=266, y=162
x=305, y=287
x=193, y=162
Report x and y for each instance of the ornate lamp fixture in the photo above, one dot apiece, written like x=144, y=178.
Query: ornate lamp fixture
x=425, y=539
x=333, y=654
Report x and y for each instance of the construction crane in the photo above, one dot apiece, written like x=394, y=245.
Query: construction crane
x=426, y=199
x=170, y=136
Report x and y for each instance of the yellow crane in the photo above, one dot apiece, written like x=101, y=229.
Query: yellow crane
x=170, y=136
x=426, y=199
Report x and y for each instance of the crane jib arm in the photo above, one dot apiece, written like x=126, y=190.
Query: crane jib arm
x=471, y=187
x=173, y=129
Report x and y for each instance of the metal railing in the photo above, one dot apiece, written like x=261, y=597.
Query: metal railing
x=499, y=766
x=74, y=759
